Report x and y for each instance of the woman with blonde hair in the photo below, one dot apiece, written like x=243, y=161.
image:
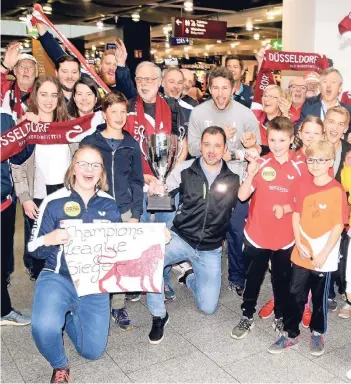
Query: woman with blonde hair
x=274, y=103
x=56, y=305
x=44, y=171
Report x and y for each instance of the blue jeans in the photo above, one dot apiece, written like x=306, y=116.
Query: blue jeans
x=57, y=306
x=205, y=282
x=235, y=244
x=161, y=217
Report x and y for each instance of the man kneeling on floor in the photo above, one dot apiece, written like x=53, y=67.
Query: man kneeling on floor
x=208, y=192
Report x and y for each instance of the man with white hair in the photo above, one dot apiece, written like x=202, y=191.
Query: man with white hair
x=297, y=89
x=15, y=93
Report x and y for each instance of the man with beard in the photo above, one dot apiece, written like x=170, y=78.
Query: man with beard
x=68, y=67
x=331, y=86
x=15, y=94
x=240, y=126
x=297, y=89
x=241, y=92
x=188, y=83
x=208, y=193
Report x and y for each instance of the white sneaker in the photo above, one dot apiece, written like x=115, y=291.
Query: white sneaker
x=345, y=311
x=15, y=318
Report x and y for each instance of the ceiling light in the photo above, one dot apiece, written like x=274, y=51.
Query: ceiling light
x=136, y=17
x=256, y=28
x=188, y=6
x=167, y=45
x=93, y=48
x=219, y=41
x=249, y=26
x=206, y=54
x=270, y=15
x=258, y=20
x=100, y=24
x=168, y=50
x=186, y=49
x=153, y=51
x=256, y=36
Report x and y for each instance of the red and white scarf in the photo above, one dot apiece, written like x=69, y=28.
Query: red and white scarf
x=39, y=16
x=17, y=138
x=286, y=61
x=162, y=123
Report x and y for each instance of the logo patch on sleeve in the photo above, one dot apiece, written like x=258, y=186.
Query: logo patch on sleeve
x=72, y=208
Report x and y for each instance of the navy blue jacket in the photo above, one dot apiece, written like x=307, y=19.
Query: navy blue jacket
x=313, y=107
x=55, y=52
x=7, y=122
x=245, y=95
x=124, y=170
x=101, y=207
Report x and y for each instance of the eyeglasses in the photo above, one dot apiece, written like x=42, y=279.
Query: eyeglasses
x=295, y=87
x=24, y=67
x=269, y=97
x=147, y=80
x=311, y=160
x=85, y=165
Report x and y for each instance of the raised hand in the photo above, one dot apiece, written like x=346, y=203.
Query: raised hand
x=121, y=53
x=12, y=54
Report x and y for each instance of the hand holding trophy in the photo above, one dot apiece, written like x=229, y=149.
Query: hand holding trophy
x=161, y=152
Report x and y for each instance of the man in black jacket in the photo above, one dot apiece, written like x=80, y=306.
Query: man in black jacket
x=208, y=192
x=331, y=86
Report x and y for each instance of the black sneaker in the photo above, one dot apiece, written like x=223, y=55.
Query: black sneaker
x=182, y=279
x=157, y=330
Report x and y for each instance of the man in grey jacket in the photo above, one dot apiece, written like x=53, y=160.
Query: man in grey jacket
x=241, y=127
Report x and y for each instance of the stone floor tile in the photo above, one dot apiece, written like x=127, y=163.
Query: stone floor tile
x=10, y=373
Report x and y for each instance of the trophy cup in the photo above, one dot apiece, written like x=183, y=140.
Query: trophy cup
x=161, y=153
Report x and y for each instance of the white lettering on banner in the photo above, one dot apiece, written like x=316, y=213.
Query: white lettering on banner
x=75, y=130
x=115, y=257
x=292, y=58
x=264, y=82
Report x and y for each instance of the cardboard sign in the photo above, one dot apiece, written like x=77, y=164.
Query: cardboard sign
x=115, y=257
x=199, y=28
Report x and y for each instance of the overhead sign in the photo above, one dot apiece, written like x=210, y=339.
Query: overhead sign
x=277, y=44
x=199, y=28
x=174, y=41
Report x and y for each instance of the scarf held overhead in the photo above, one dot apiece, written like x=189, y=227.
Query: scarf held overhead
x=286, y=61
x=17, y=138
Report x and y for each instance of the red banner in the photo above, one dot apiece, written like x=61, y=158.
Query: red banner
x=286, y=61
x=17, y=138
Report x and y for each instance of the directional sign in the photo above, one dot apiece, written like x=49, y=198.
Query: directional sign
x=199, y=28
x=174, y=41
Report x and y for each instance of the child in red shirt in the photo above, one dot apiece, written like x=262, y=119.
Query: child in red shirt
x=318, y=220
x=311, y=131
x=268, y=231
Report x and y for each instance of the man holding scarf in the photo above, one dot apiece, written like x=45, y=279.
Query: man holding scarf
x=15, y=93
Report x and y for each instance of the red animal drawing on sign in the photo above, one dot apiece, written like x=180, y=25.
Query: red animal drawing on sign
x=143, y=267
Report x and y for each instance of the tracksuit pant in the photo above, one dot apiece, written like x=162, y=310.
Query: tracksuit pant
x=256, y=265
x=302, y=281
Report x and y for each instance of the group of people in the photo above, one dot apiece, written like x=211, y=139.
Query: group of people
x=238, y=179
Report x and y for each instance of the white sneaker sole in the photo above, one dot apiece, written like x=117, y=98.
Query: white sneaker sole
x=14, y=323
x=155, y=342
x=244, y=335
x=265, y=317
x=320, y=353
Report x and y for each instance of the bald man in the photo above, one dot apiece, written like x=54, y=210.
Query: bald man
x=188, y=84
x=297, y=89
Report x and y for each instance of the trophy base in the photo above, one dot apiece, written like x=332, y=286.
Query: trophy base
x=160, y=203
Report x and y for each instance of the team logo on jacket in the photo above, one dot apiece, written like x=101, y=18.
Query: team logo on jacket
x=268, y=174
x=72, y=208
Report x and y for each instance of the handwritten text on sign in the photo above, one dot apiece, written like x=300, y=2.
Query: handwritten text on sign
x=115, y=257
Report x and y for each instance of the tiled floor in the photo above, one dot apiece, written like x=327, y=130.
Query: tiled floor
x=197, y=348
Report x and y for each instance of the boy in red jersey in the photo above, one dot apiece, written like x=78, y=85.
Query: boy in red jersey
x=268, y=231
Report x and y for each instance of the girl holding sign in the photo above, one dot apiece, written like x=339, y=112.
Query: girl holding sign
x=56, y=305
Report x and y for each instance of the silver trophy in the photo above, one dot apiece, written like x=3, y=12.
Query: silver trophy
x=161, y=152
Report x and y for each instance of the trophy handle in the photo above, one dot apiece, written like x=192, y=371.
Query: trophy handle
x=181, y=137
x=141, y=131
